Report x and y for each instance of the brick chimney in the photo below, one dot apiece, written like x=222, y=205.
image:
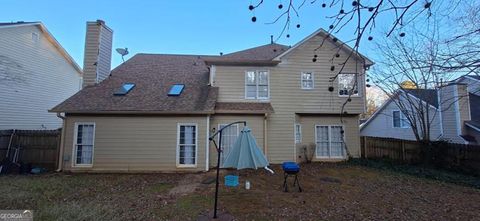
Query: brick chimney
x=455, y=110
x=98, y=53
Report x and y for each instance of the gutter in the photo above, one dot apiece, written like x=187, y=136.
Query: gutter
x=62, y=142
x=240, y=62
x=136, y=112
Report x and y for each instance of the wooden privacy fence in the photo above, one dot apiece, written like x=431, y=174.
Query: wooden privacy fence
x=440, y=154
x=37, y=147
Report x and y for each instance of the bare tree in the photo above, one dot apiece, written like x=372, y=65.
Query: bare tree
x=362, y=15
x=415, y=60
x=461, y=49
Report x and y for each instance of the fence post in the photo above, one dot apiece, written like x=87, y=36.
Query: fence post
x=59, y=141
x=403, y=151
x=365, y=148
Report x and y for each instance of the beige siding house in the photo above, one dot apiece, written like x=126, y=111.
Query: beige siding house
x=36, y=73
x=155, y=112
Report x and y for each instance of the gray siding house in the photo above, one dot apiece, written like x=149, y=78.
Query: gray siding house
x=35, y=74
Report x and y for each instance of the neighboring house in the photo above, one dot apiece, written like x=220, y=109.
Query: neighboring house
x=35, y=74
x=156, y=111
x=449, y=112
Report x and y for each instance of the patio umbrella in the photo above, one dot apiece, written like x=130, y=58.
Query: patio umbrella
x=245, y=153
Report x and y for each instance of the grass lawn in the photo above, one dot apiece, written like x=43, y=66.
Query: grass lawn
x=331, y=192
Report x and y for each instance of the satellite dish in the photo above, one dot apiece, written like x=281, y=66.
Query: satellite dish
x=122, y=51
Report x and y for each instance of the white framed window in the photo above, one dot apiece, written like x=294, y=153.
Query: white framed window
x=399, y=120
x=348, y=84
x=329, y=141
x=229, y=136
x=83, y=144
x=298, y=133
x=257, y=85
x=306, y=80
x=187, y=134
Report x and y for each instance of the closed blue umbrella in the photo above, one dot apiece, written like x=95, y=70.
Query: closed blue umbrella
x=245, y=153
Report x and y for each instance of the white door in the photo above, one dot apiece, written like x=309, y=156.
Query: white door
x=229, y=136
x=330, y=142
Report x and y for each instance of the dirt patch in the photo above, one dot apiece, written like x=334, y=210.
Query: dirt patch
x=188, y=184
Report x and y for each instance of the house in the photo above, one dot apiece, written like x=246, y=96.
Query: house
x=36, y=73
x=155, y=112
x=450, y=113
x=472, y=127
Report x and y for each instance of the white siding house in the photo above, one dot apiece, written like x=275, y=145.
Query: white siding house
x=384, y=124
x=36, y=73
x=449, y=111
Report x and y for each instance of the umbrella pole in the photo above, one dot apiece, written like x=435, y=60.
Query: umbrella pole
x=219, y=150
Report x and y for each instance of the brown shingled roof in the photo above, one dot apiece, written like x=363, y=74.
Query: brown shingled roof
x=261, y=55
x=153, y=75
x=427, y=95
x=243, y=107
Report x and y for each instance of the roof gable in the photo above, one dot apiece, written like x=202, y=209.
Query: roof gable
x=421, y=94
x=324, y=33
x=49, y=37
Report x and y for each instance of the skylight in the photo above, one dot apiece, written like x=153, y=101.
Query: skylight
x=124, y=89
x=176, y=90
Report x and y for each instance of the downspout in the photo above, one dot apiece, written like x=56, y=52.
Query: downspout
x=265, y=132
x=62, y=141
x=207, y=145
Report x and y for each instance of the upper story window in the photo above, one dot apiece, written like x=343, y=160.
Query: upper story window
x=399, y=120
x=348, y=84
x=307, y=80
x=257, y=85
